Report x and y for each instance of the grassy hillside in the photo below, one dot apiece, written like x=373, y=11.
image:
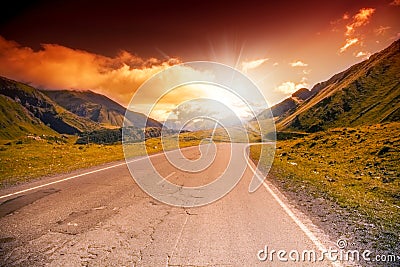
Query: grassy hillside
x=29, y=100
x=16, y=121
x=365, y=94
x=98, y=108
x=356, y=168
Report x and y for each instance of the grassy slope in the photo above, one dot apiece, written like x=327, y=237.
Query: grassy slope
x=39, y=104
x=357, y=168
x=82, y=124
x=16, y=121
x=366, y=93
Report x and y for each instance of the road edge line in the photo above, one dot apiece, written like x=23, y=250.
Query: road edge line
x=292, y=215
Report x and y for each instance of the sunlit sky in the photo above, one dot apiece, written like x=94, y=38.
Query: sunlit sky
x=113, y=48
x=220, y=100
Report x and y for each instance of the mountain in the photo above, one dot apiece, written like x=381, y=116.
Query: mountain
x=286, y=105
x=302, y=94
x=98, y=108
x=16, y=121
x=364, y=94
x=26, y=110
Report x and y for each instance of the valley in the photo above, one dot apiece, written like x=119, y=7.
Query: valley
x=336, y=158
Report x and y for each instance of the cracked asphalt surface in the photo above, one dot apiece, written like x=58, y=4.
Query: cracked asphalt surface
x=105, y=219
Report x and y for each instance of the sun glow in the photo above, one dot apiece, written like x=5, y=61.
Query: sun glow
x=200, y=92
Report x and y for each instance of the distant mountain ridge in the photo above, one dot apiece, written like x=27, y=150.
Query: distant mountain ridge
x=28, y=111
x=286, y=105
x=99, y=108
x=366, y=93
x=25, y=110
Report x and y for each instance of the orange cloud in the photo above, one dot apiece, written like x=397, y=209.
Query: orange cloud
x=290, y=87
x=359, y=19
x=298, y=64
x=58, y=67
x=349, y=42
x=248, y=65
x=363, y=55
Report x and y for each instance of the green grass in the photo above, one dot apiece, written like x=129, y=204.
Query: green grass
x=27, y=159
x=20, y=103
x=358, y=168
x=15, y=121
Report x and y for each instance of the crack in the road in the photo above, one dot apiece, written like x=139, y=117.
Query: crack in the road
x=169, y=257
x=151, y=235
x=188, y=213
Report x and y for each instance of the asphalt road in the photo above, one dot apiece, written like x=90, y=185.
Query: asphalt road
x=100, y=217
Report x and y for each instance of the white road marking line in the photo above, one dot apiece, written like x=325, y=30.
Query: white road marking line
x=73, y=177
x=62, y=180
x=86, y=173
x=289, y=212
